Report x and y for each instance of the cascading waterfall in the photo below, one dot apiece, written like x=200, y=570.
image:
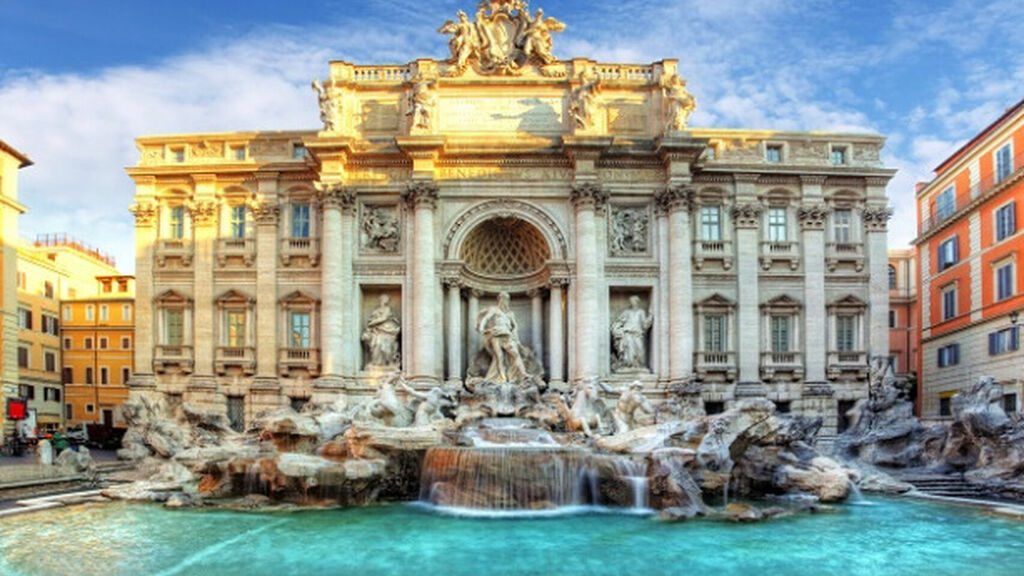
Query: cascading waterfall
x=634, y=472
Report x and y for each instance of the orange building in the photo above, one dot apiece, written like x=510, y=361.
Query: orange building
x=98, y=340
x=970, y=245
x=904, y=335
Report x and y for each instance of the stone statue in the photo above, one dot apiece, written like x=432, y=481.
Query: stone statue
x=500, y=330
x=464, y=42
x=629, y=231
x=681, y=103
x=422, y=102
x=431, y=405
x=328, y=106
x=381, y=229
x=631, y=400
x=381, y=336
x=585, y=414
x=583, y=106
x=534, y=37
x=385, y=409
x=629, y=332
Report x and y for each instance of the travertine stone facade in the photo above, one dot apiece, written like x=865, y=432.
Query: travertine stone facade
x=572, y=185
x=11, y=160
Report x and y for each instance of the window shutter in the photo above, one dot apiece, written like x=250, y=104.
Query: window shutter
x=1011, y=225
x=1014, y=338
x=956, y=353
x=956, y=250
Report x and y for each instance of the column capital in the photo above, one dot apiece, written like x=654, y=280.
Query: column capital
x=588, y=195
x=675, y=197
x=813, y=216
x=534, y=293
x=453, y=281
x=421, y=193
x=876, y=218
x=204, y=213
x=557, y=282
x=145, y=214
x=337, y=197
x=747, y=215
x=265, y=212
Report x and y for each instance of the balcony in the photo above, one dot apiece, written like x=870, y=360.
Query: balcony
x=718, y=363
x=178, y=248
x=239, y=357
x=837, y=253
x=292, y=248
x=846, y=363
x=238, y=248
x=964, y=201
x=307, y=359
x=704, y=250
x=772, y=252
x=167, y=355
x=773, y=363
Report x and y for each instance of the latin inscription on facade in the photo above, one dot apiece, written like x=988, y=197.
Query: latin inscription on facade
x=516, y=115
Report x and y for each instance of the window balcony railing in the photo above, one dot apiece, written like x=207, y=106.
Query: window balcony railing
x=299, y=358
x=180, y=248
x=704, y=250
x=300, y=248
x=772, y=252
x=847, y=361
x=167, y=355
x=844, y=252
x=715, y=362
x=983, y=188
x=241, y=357
x=244, y=248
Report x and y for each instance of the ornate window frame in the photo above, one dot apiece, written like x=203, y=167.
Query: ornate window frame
x=723, y=362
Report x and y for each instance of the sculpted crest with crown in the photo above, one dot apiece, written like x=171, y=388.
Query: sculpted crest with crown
x=503, y=39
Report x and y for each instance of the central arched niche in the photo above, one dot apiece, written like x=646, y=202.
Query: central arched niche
x=505, y=248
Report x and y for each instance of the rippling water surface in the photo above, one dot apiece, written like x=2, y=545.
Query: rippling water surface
x=889, y=537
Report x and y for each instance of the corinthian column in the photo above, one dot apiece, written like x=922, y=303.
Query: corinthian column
x=812, y=222
x=586, y=197
x=335, y=200
x=556, y=359
x=421, y=198
x=204, y=221
x=266, y=214
x=747, y=221
x=876, y=224
x=537, y=323
x=454, y=285
x=678, y=200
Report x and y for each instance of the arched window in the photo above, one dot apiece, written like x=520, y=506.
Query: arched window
x=892, y=277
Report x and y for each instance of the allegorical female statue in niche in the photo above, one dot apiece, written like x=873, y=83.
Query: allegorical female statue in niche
x=629, y=331
x=381, y=336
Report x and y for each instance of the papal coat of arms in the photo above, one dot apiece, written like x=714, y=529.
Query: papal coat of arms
x=503, y=39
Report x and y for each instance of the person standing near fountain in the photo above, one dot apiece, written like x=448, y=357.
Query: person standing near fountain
x=500, y=333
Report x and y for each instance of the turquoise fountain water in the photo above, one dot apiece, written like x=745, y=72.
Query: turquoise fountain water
x=888, y=537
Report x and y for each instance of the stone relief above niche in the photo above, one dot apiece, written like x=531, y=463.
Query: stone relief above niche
x=379, y=229
x=628, y=233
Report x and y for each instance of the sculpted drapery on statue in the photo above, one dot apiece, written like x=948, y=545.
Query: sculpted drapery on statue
x=381, y=336
x=681, y=103
x=629, y=333
x=503, y=39
x=500, y=330
x=328, y=106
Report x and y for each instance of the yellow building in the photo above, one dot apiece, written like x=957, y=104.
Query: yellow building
x=97, y=335
x=10, y=209
x=51, y=269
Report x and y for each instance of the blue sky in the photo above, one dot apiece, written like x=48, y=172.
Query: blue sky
x=79, y=80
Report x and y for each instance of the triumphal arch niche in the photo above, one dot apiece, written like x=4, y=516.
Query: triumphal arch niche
x=501, y=213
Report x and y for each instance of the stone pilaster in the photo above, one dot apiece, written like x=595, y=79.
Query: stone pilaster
x=145, y=212
x=266, y=214
x=472, y=336
x=586, y=198
x=746, y=216
x=454, y=329
x=678, y=200
x=204, y=229
x=876, y=225
x=556, y=333
x=661, y=325
x=812, y=217
x=421, y=198
x=335, y=200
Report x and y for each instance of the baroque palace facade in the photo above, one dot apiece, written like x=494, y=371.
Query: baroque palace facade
x=280, y=267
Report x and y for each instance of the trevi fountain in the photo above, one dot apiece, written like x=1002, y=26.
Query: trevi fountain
x=675, y=457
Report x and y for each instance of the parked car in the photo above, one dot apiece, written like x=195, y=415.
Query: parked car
x=78, y=434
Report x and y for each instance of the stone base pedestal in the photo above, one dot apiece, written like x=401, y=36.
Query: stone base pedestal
x=142, y=382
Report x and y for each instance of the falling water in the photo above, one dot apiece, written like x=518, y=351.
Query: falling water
x=634, y=472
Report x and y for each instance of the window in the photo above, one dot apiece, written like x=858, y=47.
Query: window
x=126, y=343
x=22, y=357
x=945, y=203
x=176, y=223
x=299, y=152
x=1004, y=281
x=88, y=343
x=773, y=153
x=234, y=328
x=948, y=355
x=1010, y=403
x=88, y=375
x=778, y=229
x=842, y=226
x=846, y=333
x=22, y=281
x=67, y=313
x=945, y=407
x=892, y=318
x=89, y=408
x=104, y=343
x=237, y=222
x=126, y=375
x=300, y=220
x=104, y=375
x=1004, y=163
x=949, y=303
x=50, y=361
x=300, y=329
x=67, y=343
x=714, y=333
x=90, y=313
x=236, y=413
x=238, y=152
x=783, y=406
x=1003, y=341
x=50, y=325
x=51, y=394
x=126, y=312
x=27, y=391
x=949, y=253
x=711, y=223
x=178, y=154
x=24, y=318
x=1006, y=221
x=710, y=153
x=892, y=278
x=174, y=327
x=838, y=155
x=106, y=286
x=712, y=408
x=104, y=313
x=48, y=290
x=780, y=333
x=69, y=412
x=67, y=375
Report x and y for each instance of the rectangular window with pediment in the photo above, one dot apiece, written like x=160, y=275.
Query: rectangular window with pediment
x=715, y=333
x=780, y=333
x=176, y=223
x=842, y=226
x=235, y=328
x=300, y=329
x=237, y=222
x=174, y=327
